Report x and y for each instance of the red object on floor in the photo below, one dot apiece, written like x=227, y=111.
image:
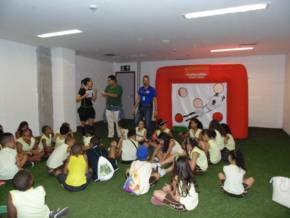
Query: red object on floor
x=235, y=75
x=2, y=182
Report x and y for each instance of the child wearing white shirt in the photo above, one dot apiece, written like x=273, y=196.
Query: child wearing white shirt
x=26, y=201
x=232, y=177
x=10, y=162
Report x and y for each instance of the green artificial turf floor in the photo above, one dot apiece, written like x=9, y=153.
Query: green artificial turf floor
x=267, y=154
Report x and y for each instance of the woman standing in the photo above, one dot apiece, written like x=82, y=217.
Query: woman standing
x=86, y=96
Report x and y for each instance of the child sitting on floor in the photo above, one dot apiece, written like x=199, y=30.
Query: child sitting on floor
x=162, y=128
x=210, y=146
x=95, y=151
x=45, y=142
x=232, y=177
x=87, y=136
x=230, y=144
x=22, y=126
x=141, y=132
x=196, y=155
x=138, y=181
x=75, y=176
x=181, y=194
x=59, y=155
x=219, y=139
x=10, y=162
x=123, y=130
x=128, y=147
x=27, y=202
x=64, y=131
x=27, y=144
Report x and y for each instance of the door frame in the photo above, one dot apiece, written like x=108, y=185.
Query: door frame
x=134, y=74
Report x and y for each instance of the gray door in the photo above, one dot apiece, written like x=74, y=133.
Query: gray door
x=127, y=81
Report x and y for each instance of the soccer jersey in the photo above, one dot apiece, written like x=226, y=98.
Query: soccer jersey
x=77, y=170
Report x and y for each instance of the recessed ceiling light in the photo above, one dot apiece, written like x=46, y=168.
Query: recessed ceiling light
x=231, y=10
x=232, y=49
x=60, y=33
x=93, y=7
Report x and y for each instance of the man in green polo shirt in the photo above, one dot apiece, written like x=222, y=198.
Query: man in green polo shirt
x=113, y=95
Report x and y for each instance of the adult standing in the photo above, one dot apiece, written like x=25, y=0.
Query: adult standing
x=146, y=102
x=113, y=94
x=86, y=96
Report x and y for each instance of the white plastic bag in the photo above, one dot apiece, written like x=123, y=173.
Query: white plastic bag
x=281, y=190
x=105, y=169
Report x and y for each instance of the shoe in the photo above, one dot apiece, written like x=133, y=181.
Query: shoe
x=97, y=180
x=155, y=166
x=161, y=171
x=59, y=213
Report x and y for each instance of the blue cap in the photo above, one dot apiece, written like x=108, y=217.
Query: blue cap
x=142, y=153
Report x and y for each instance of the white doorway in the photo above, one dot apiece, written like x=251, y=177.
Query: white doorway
x=127, y=81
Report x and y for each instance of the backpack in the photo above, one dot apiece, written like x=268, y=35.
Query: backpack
x=105, y=169
x=281, y=190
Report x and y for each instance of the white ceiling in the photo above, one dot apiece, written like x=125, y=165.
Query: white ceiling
x=134, y=29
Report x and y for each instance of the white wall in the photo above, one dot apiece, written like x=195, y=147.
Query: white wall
x=63, y=87
x=98, y=71
x=266, y=84
x=286, y=118
x=18, y=86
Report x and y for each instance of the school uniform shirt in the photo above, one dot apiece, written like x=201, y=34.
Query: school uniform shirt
x=87, y=140
x=141, y=172
x=220, y=141
x=77, y=170
x=190, y=201
x=57, y=157
x=177, y=149
x=48, y=141
x=234, y=179
x=201, y=161
x=158, y=131
x=25, y=146
x=8, y=164
x=140, y=134
x=30, y=203
x=214, y=152
x=129, y=150
x=231, y=145
x=59, y=141
x=194, y=134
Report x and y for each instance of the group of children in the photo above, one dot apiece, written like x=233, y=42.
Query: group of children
x=76, y=164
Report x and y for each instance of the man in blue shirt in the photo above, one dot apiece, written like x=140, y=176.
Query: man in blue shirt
x=146, y=100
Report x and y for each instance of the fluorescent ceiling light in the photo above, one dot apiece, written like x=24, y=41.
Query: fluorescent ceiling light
x=231, y=10
x=232, y=49
x=60, y=33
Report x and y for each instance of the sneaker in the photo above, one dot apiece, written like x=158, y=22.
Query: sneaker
x=155, y=166
x=97, y=180
x=161, y=171
x=59, y=213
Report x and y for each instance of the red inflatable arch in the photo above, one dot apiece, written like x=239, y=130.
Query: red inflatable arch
x=235, y=75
